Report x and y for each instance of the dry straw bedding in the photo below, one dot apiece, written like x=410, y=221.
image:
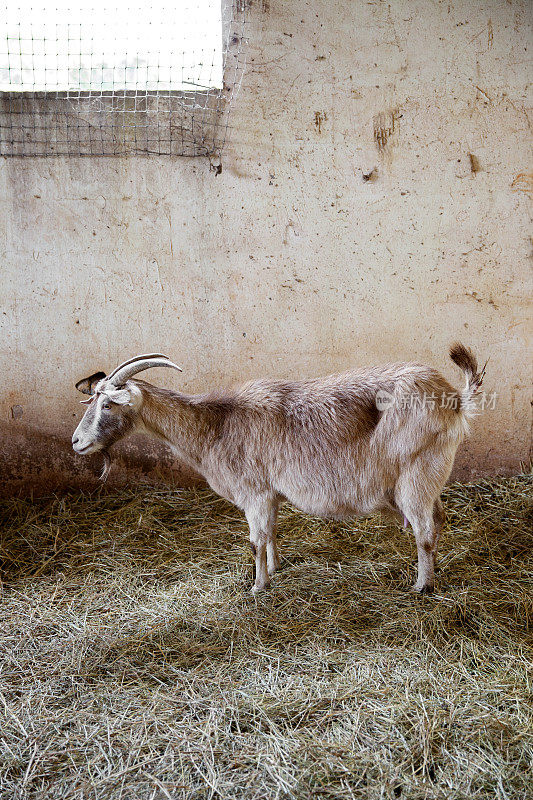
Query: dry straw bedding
x=135, y=663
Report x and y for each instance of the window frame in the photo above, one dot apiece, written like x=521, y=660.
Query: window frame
x=128, y=121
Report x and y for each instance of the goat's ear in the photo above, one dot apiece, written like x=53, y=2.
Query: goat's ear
x=87, y=385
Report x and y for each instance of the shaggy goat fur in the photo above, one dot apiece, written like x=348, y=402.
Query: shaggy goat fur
x=368, y=440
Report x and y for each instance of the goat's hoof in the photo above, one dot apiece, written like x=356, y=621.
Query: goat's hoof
x=427, y=589
x=258, y=589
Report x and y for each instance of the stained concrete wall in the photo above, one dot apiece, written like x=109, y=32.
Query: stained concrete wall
x=373, y=205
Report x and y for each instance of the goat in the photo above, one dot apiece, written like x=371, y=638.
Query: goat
x=378, y=439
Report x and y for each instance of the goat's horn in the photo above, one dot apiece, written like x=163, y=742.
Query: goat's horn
x=136, y=358
x=121, y=376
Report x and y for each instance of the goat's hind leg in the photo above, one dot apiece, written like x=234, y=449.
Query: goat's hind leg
x=417, y=495
x=422, y=517
x=426, y=537
x=439, y=518
x=261, y=516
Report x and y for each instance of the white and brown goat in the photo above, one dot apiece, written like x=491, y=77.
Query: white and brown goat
x=373, y=439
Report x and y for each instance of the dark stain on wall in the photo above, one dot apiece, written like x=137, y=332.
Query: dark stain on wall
x=37, y=463
x=320, y=118
x=386, y=123
x=475, y=166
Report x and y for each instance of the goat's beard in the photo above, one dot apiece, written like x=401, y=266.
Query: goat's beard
x=106, y=467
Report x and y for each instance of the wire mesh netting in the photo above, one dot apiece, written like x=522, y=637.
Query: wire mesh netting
x=106, y=77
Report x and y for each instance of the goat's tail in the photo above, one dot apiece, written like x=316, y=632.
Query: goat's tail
x=466, y=360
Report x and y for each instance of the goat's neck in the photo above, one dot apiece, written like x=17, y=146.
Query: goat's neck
x=178, y=420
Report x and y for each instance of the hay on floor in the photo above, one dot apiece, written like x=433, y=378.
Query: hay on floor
x=135, y=663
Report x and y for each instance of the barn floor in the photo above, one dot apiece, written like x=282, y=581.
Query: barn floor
x=136, y=664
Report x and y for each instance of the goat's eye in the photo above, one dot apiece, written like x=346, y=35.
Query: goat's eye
x=106, y=405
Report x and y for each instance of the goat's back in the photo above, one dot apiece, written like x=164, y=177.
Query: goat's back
x=347, y=404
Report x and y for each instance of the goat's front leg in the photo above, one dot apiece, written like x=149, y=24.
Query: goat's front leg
x=273, y=562
x=261, y=515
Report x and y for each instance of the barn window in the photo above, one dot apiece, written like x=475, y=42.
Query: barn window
x=115, y=77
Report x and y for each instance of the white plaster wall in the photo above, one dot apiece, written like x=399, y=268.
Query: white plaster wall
x=289, y=263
